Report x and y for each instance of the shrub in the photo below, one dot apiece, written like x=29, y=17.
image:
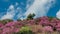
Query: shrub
x=25, y=30
x=30, y=16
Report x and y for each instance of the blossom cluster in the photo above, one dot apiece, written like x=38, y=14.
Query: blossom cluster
x=48, y=24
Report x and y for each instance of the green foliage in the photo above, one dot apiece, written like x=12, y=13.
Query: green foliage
x=25, y=30
x=6, y=21
x=30, y=16
x=50, y=18
x=18, y=19
x=57, y=19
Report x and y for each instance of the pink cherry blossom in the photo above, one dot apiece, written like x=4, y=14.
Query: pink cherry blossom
x=7, y=30
x=48, y=28
x=16, y=30
x=10, y=24
x=46, y=22
x=1, y=25
x=58, y=25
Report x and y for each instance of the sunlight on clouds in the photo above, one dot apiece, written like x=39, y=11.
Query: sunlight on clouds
x=16, y=3
x=58, y=14
x=11, y=7
x=29, y=3
x=19, y=12
x=39, y=8
x=10, y=13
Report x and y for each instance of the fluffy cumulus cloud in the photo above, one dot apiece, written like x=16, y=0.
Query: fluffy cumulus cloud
x=20, y=13
x=29, y=3
x=40, y=7
x=9, y=14
x=58, y=14
x=13, y=12
x=16, y=3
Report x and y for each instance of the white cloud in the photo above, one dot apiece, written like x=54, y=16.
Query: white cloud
x=19, y=12
x=58, y=14
x=9, y=14
x=16, y=3
x=39, y=7
x=29, y=3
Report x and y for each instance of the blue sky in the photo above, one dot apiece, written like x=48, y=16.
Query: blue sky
x=54, y=9
x=19, y=9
